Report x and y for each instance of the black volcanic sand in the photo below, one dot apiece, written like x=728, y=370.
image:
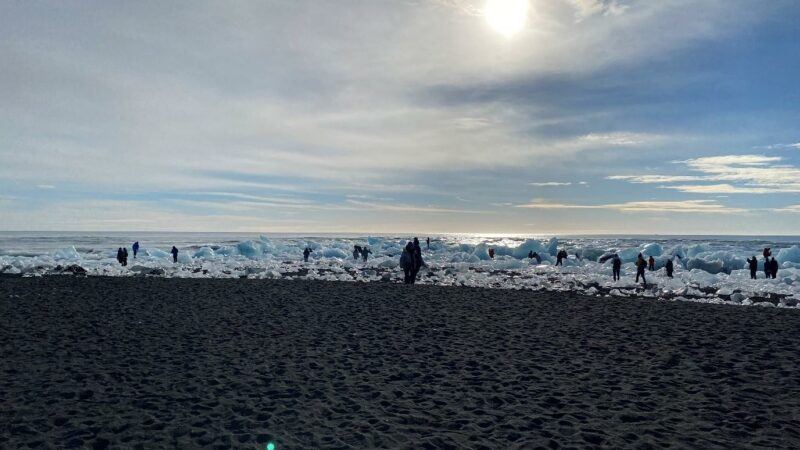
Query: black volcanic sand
x=153, y=362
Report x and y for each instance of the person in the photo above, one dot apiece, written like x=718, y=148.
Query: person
x=356, y=251
x=407, y=262
x=767, y=267
x=560, y=257
x=135, y=249
x=616, y=265
x=306, y=251
x=365, y=253
x=530, y=254
x=491, y=253
x=428, y=241
x=669, y=267
x=174, y=252
x=537, y=258
x=641, y=264
x=767, y=252
x=125, y=256
x=651, y=263
x=753, y=264
x=418, y=262
x=119, y=255
x=774, y=266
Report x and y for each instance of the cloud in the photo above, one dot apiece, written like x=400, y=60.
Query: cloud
x=686, y=206
x=795, y=209
x=550, y=183
x=730, y=189
x=45, y=186
x=653, y=179
x=618, y=139
x=411, y=208
x=752, y=174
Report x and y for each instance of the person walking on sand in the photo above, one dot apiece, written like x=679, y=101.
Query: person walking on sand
x=174, y=252
x=753, y=264
x=616, y=265
x=135, y=249
x=418, y=262
x=306, y=251
x=669, y=267
x=407, y=262
x=365, y=253
x=651, y=263
x=641, y=264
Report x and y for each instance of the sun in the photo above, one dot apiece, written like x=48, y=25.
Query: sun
x=507, y=17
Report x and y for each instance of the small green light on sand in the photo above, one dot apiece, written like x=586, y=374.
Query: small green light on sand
x=271, y=446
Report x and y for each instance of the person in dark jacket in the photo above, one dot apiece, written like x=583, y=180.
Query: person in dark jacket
x=669, y=267
x=428, y=241
x=491, y=253
x=418, y=262
x=365, y=253
x=641, y=264
x=774, y=266
x=306, y=251
x=560, y=257
x=407, y=262
x=125, y=256
x=767, y=268
x=135, y=249
x=752, y=263
x=174, y=252
x=356, y=251
x=651, y=263
x=119, y=255
x=616, y=265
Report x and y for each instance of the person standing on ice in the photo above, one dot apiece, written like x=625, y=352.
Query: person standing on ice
x=119, y=255
x=174, y=252
x=356, y=252
x=125, y=256
x=365, y=253
x=491, y=253
x=651, y=264
x=560, y=256
x=774, y=268
x=753, y=264
x=641, y=264
x=616, y=265
x=135, y=249
x=669, y=267
x=306, y=251
x=428, y=241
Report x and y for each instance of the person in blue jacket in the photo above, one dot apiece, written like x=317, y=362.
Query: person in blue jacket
x=135, y=249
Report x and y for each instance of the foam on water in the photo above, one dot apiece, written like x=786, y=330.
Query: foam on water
x=706, y=269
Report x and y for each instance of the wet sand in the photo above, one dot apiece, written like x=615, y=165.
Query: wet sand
x=162, y=363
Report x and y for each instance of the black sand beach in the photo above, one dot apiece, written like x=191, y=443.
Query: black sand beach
x=154, y=362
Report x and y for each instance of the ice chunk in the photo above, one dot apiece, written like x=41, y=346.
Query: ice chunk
x=652, y=249
x=791, y=254
x=68, y=254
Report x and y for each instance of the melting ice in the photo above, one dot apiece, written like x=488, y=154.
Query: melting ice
x=706, y=269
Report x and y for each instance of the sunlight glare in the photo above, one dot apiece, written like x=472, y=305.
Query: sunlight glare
x=507, y=17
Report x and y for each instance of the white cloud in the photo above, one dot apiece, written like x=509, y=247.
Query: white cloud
x=652, y=179
x=686, y=206
x=618, y=139
x=753, y=174
x=550, y=183
x=410, y=208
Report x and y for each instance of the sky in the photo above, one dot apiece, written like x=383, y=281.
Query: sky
x=381, y=116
